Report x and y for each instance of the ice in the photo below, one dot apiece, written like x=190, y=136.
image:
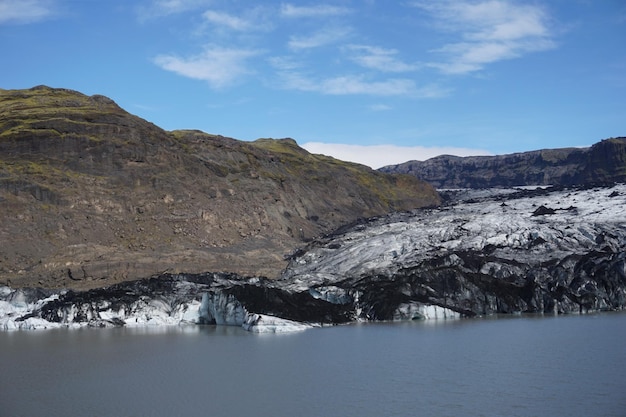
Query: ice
x=14, y=314
x=223, y=309
x=261, y=323
x=16, y=304
x=189, y=313
x=507, y=224
x=215, y=307
x=334, y=295
x=419, y=311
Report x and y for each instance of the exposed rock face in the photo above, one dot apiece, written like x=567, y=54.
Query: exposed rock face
x=91, y=195
x=604, y=162
x=540, y=251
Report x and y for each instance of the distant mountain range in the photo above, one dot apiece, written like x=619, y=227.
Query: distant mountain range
x=602, y=163
x=91, y=195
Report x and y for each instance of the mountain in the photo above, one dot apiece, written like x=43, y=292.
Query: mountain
x=604, y=162
x=91, y=195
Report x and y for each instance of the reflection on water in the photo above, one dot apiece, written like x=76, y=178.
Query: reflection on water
x=523, y=366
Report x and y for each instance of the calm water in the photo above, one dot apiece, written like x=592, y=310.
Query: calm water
x=551, y=366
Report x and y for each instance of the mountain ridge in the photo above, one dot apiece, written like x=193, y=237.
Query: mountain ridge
x=603, y=162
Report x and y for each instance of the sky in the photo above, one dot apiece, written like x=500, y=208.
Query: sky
x=370, y=81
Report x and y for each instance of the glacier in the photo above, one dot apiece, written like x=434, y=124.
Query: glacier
x=158, y=301
x=544, y=250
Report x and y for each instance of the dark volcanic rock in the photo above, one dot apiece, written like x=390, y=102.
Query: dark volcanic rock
x=543, y=210
x=602, y=163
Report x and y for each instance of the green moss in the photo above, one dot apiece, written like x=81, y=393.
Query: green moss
x=555, y=156
x=326, y=171
x=281, y=146
x=43, y=111
x=43, y=172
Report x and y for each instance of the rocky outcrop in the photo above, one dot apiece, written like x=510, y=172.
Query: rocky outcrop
x=606, y=162
x=602, y=163
x=491, y=251
x=91, y=195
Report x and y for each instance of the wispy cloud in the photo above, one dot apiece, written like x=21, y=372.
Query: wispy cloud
x=377, y=156
x=380, y=59
x=251, y=19
x=227, y=20
x=25, y=11
x=379, y=107
x=161, y=8
x=218, y=66
x=285, y=63
x=320, y=10
x=360, y=85
x=319, y=38
x=488, y=31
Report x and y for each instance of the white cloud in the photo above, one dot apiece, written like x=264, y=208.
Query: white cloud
x=160, y=8
x=360, y=85
x=218, y=66
x=228, y=20
x=379, y=59
x=489, y=31
x=321, y=10
x=173, y=6
x=377, y=156
x=379, y=107
x=285, y=63
x=319, y=38
x=25, y=11
x=251, y=19
x=470, y=56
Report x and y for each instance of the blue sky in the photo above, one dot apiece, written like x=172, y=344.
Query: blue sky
x=373, y=81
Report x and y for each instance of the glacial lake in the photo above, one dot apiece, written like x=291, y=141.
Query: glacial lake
x=505, y=366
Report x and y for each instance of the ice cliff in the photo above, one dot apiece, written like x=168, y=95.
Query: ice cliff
x=487, y=251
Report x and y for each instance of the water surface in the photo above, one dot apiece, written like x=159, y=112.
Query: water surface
x=514, y=366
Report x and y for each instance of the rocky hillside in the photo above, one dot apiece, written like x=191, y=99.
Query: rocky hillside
x=604, y=162
x=91, y=195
